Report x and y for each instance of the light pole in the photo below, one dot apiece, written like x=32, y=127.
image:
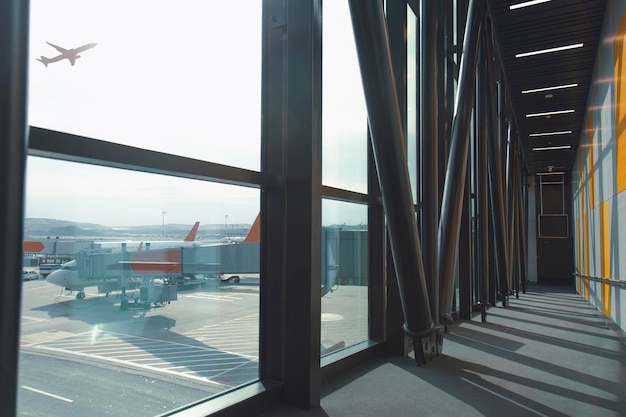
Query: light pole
x=226, y=225
x=163, y=213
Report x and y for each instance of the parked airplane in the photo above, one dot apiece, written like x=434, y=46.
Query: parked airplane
x=143, y=261
x=135, y=245
x=69, y=54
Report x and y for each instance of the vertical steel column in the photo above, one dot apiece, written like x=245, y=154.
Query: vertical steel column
x=466, y=254
x=429, y=140
x=13, y=139
x=370, y=35
x=482, y=167
x=273, y=249
x=519, y=239
x=302, y=141
x=504, y=288
x=495, y=169
x=451, y=205
x=523, y=225
x=446, y=90
x=514, y=288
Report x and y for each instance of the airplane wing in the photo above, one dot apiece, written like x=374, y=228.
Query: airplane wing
x=58, y=48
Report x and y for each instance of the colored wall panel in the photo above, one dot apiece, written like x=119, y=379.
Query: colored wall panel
x=620, y=101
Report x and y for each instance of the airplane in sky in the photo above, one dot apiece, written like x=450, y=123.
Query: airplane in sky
x=69, y=54
x=112, y=268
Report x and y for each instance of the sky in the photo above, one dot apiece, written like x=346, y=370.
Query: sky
x=182, y=78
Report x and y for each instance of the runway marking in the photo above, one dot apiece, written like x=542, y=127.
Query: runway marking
x=43, y=337
x=126, y=363
x=214, y=297
x=58, y=397
x=156, y=355
x=33, y=319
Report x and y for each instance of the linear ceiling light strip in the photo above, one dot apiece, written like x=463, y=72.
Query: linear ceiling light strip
x=564, y=132
x=550, y=113
x=553, y=148
x=556, y=87
x=549, y=50
x=526, y=4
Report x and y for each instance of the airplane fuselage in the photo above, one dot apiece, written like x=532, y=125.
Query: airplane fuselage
x=69, y=54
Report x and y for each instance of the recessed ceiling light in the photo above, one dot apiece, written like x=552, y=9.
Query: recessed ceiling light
x=526, y=4
x=549, y=95
x=549, y=50
x=562, y=132
x=556, y=87
x=553, y=148
x=550, y=113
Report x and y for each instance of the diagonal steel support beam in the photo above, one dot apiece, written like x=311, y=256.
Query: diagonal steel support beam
x=452, y=202
x=387, y=137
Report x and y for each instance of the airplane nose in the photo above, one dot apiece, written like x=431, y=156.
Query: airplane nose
x=57, y=278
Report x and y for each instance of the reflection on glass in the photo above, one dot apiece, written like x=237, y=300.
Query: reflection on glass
x=180, y=79
x=344, y=115
x=344, y=276
x=146, y=291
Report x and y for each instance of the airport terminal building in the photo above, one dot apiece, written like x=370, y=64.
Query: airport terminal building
x=396, y=208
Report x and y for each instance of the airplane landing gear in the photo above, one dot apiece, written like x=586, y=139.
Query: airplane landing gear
x=80, y=295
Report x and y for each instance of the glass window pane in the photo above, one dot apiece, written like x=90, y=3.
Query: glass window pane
x=182, y=78
x=344, y=276
x=412, y=85
x=344, y=115
x=133, y=310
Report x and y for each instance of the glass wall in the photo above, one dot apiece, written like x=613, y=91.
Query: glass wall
x=156, y=304
x=344, y=116
x=344, y=275
x=177, y=78
x=412, y=87
x=144, y=293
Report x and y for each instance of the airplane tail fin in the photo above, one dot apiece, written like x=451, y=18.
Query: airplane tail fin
x=192, y=233
x=43, y=60
x=254, y=235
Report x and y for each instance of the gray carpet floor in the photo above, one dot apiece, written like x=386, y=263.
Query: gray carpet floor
x=549, y=353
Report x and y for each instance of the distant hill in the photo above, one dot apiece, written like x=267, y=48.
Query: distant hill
x=41, y=228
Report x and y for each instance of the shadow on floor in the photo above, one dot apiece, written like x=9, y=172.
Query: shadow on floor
x=533, y=358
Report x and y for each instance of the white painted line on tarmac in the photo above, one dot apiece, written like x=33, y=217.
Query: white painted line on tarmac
x=33, y=319
x=67, y=400
x=126, y=363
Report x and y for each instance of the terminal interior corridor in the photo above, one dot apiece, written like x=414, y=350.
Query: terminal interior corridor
x=434, y=191
x=550, y=353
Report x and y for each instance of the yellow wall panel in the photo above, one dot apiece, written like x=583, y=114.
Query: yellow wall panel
x=619, y=49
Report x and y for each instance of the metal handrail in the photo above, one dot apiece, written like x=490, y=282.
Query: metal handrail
x=610, y=281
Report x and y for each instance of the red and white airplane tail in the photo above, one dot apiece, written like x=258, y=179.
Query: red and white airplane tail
x=191, y=236
x=254, y=234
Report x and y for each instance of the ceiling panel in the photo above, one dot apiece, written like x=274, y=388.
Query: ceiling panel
x=548, y=25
